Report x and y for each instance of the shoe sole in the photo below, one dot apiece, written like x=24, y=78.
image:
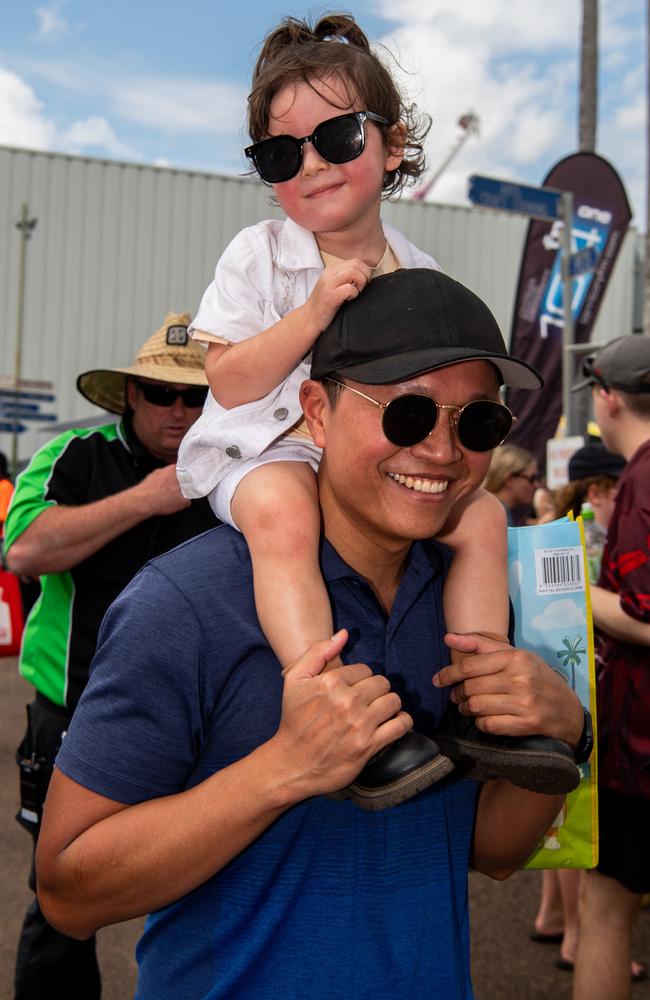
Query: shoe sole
x=398, y=791
x=544, y=772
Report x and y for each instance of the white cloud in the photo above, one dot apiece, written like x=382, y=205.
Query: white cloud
x=516, y=66
x=531, y=26
x=59, y=72
x=633, y=115
x=561, y=614
x=178, y=105
x=95, y=133
x=51, y=26
x=22, y=122
x=521, y=100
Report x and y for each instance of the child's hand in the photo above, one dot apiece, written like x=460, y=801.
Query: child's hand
x=335, y=286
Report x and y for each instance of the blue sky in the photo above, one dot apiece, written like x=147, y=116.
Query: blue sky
x=166, y=83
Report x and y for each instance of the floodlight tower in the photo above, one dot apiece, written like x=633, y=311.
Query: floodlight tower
x=469, y=124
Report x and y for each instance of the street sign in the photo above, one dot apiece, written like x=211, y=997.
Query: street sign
x=11, y=414
x=11, y=428
x=17, y=405
x=509, y=196
x=43, y=397
x=19, y=401
x=582, y=261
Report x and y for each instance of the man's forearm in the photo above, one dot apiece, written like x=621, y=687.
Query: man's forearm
x=610, y=617
x=100, y=861
x=61, y=537
x=140, y=858
x=510, y=822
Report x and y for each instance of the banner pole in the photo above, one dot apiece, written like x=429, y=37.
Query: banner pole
x=566, y=214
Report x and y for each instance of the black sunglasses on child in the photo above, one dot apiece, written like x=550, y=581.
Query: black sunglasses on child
x=481, y=424
x=337, y=140
x=166, y=395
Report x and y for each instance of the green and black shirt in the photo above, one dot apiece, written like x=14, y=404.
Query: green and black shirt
x=79, y=467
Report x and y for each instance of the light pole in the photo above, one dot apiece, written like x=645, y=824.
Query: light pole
x=26, y=227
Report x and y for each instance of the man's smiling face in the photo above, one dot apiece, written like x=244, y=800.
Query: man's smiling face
x=390, y=495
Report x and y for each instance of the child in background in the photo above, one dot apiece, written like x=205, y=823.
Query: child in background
x=332, y=136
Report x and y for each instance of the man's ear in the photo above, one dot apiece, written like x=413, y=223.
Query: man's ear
x=316, y=408
x=395, y=142
x=130, y=392
x=613, y=402
x=594, y=494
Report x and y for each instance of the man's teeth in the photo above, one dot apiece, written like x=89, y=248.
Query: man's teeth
x=420, y=485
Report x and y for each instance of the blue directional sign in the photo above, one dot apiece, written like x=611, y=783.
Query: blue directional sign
x=43, y=397
x=12, y=428
x=508, y=196
x=15, y=404
x=18, y=405
x=11, y=414
x=582, y=261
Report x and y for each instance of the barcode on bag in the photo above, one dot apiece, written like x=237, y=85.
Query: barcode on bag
x=559, y=571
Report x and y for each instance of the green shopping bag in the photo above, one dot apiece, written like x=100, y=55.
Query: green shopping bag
x=549, y=589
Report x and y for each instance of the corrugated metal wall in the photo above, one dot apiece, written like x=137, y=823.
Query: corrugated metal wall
x=117, y=245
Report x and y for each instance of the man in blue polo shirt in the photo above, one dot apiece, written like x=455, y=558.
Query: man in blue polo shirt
x=194, y=783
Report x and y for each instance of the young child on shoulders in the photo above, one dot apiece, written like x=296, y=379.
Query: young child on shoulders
x=332, y=136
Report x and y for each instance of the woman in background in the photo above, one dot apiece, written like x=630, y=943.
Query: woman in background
x=512, y=477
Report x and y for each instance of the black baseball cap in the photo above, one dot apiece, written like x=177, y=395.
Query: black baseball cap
x=594, y=459
x=623, y=363
x=413, y=321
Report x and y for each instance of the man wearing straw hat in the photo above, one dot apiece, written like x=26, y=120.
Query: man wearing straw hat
x=92, y=507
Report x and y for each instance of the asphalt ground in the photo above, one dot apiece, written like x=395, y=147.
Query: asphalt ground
x=505, y=964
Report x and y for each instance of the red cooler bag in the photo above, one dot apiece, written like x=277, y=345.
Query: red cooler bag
x=11, y=614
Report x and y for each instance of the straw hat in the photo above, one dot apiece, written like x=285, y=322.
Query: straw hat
x=170, y=355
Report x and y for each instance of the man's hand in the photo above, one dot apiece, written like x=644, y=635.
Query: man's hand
x=510, y=692
x=160, y=492
x=333, y=721
x=61, y=537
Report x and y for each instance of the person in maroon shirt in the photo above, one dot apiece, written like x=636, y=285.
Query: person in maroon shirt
x=610, y=898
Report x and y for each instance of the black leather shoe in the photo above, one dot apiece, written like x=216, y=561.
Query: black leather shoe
x=397, y=773
x=538, y=763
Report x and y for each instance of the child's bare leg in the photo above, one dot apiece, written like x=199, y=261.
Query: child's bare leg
x=475, y=596
x=276, y=509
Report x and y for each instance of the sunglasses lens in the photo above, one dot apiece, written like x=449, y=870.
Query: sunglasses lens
x=483, y=425
x=163, y=395
x=277, y=159
x=409, y=419
x=193, y=398
x=339, y=139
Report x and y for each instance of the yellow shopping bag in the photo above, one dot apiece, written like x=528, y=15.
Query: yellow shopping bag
x=549, y=589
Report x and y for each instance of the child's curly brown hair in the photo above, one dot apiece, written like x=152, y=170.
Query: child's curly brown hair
x=337, y=47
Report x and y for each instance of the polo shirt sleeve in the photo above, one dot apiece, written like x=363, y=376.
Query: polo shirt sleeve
x=232, y=307
x=137, y=731
x=57, y=474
